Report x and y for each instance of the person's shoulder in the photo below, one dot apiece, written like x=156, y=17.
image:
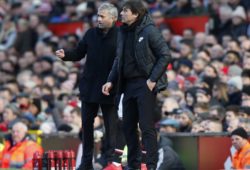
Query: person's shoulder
x=91, y=31
x=31, y=143
x=151, y=31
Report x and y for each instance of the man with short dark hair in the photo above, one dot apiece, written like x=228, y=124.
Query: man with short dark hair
x=139, y=71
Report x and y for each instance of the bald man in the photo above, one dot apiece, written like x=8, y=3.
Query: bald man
x=19, y=148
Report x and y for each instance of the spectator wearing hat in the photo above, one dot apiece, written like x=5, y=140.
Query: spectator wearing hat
x=234, y=90
x=241, y=159
x=234, y=70
x=232, y=57
x=186, y=119
x=169, y=125
x=185, y=67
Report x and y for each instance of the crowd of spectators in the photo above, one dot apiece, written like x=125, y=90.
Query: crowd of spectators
x=209, y=76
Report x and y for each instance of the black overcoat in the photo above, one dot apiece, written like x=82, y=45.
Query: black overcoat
x=100, y=50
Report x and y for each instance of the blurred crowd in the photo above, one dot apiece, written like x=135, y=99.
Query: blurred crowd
x=209, y=76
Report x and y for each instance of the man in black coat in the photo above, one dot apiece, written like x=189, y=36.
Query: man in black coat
x=139, y=71
x=99, y=45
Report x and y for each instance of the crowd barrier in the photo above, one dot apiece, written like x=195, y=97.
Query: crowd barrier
x=198, y=152
x=177, y=25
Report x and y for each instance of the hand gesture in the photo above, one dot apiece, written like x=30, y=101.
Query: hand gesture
x=60, y=53
x=151, y=85
x=106, y=88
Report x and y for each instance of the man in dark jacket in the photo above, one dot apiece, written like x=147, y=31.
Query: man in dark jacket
x=99, y=44
x=139, y=70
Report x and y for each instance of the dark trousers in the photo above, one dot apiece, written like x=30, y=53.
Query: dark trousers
x=138, y=106
x=89, y=112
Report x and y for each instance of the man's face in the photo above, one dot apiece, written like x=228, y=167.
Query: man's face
x=202, y=98
x=198, y=66
x=18, y=134
x=127, y=17
x=232, y=125
x=237, y=141
x=209, y=71
x=246, y=63
x=230, y=116
x=105, y=19
x=8, y=115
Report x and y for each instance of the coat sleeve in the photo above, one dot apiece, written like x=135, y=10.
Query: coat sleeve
x=31, y=148
x=113, y=75
x=161, y=53
x=79, y=52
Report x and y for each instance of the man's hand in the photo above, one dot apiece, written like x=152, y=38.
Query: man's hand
x=60, y=53
x=106, y=88
x=151, y=85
